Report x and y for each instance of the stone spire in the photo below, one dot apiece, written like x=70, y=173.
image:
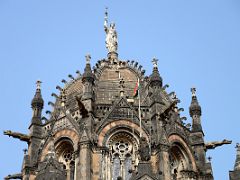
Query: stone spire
x=35, y=127
x=195, y=112
x=235, y=174
x=155, y=79
x=88, y=75
x=37, y=104
x=237, y=162
x=88, y=80
x=111, y=38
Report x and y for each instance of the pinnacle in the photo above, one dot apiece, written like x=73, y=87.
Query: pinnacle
x=155, y=77
x=37, y=100
x=194, y=108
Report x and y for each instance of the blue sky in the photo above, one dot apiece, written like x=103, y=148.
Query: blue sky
x=197, y=44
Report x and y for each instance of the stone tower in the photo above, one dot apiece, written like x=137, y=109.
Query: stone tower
x=113, y=122
x=235, y=174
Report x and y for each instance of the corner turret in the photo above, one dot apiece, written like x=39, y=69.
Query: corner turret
x=198, y=135
x=195, y=112
x=88, y=80
x=35, y=127
x=37, y=105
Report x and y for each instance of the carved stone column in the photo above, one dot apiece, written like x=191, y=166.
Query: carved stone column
x=163, y=161
x=85, y=161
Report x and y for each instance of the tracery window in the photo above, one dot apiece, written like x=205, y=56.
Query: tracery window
x=178, y=161
x=65, y=155
x=123, y=155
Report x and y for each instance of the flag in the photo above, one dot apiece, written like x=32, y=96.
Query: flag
x=135, y=93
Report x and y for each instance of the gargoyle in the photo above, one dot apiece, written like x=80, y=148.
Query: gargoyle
x=20, y=136
x=13, y=176
x=82, y=109
x=214, y=144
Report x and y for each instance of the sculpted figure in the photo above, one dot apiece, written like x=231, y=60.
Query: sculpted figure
x=111, y=35
x=144, y=150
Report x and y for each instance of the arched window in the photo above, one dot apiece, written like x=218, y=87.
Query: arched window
x=65, y=155
x=123, y=149
x=179, y=161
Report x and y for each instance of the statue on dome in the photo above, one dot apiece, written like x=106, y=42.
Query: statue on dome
x=111, y=35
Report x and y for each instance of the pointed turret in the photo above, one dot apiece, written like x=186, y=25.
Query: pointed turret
x=35, y=127
x=237, y=162
x=37, y=105
x=198, y=135
x=235, y=174
x=88, y=80
x=195, y=112
x=155, y=78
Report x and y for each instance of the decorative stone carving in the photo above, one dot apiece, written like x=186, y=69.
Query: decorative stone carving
x=144, y=150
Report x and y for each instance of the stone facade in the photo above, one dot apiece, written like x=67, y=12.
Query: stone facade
x=98, y=130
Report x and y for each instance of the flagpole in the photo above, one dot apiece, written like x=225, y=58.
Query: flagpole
x=139, y=108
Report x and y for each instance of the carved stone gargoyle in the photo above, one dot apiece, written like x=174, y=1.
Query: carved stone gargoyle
x=17, y=135
x=14, y=176
x=214, y=144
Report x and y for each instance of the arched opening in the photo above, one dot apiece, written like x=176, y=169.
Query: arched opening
x=65, y=154
x=123, y=155
x=179, y=161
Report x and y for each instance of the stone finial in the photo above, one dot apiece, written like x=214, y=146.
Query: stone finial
x=194, y=108
x=155, y=62
x=193, y=90
x=155, y=78
x=88, y=58
x=37, y=100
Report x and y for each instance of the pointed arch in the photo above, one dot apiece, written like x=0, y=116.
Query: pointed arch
x=119, y=124
x=182, y=150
